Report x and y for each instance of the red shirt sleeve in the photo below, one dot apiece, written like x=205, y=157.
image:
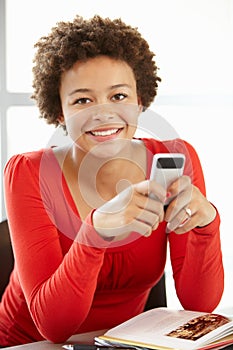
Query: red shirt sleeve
x=45, y=273
x=196, y=256
x=198, y=270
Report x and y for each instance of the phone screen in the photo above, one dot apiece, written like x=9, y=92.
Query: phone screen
x=170, y=163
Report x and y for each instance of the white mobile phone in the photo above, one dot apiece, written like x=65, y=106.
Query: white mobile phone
x=167, y=167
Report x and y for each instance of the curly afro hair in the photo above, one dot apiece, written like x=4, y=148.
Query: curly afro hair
x=82, y=39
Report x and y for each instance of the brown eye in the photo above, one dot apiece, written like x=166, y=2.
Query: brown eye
x=119, y=97
x=82, y=101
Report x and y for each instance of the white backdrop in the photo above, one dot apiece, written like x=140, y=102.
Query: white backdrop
x=193, y=42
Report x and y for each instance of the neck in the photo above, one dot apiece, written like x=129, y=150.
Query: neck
x=109, y=176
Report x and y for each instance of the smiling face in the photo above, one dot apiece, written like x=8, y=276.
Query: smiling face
x=100, y=105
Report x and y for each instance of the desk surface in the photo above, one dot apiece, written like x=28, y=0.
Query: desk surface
x=46, y=345
x=79, y=338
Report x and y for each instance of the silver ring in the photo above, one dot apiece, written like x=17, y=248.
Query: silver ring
x=188, y=212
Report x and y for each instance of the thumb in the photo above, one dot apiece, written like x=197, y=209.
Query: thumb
x=150, y=186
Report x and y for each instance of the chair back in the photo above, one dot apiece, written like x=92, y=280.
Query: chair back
x=157, y=296
x=6, y=256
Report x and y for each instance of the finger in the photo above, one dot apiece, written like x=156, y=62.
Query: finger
x=142, y=228
x=179, y=185
x=151, y=205
x=150, y=186
x=180, y=220
x=188, y=226
x=148, y=218
x=181, y=201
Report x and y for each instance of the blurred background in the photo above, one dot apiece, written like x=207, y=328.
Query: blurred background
x=193, y=42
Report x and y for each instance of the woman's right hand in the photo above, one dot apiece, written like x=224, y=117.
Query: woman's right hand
x=131, y=210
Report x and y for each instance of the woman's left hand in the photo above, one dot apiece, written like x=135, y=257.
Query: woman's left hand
x=188, y=207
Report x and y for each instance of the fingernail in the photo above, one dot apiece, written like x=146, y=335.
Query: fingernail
x=183, y=222
x=148, y=233
x=167, y=230
x=168, y=195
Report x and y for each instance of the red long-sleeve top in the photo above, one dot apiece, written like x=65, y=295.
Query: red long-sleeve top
x=68, y=280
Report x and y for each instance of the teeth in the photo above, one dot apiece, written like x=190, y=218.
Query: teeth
x=104, y=132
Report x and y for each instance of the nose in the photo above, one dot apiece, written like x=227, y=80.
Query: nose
x=103, y=113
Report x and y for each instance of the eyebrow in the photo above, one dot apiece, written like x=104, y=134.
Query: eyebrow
x=83, y=90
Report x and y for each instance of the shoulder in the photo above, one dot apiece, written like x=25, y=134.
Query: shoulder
x=20, y=165
x=192, y=162
x=177, y=145
x=23, y=159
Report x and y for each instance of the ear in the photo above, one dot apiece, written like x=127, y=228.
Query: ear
x=61, y=120
x=140, y=107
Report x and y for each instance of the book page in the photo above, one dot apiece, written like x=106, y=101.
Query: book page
x=172, y=329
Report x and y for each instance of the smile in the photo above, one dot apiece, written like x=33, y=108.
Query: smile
x=104, y=132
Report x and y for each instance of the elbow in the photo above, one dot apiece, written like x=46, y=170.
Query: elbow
x=56, y=335
x=204, y=295
x=57, y=327
x=56, y=338
x=205, y=301
x=57, y=323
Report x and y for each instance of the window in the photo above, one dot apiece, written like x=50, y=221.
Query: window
x=193, y=42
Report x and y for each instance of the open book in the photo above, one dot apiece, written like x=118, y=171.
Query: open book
x=163, y=328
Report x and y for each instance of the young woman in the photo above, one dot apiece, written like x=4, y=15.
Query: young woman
x=89, y=229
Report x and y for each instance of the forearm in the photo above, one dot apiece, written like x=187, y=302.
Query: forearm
x=61, y=304
x=199, y=278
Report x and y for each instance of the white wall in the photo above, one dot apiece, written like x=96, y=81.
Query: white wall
x=193, y=40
